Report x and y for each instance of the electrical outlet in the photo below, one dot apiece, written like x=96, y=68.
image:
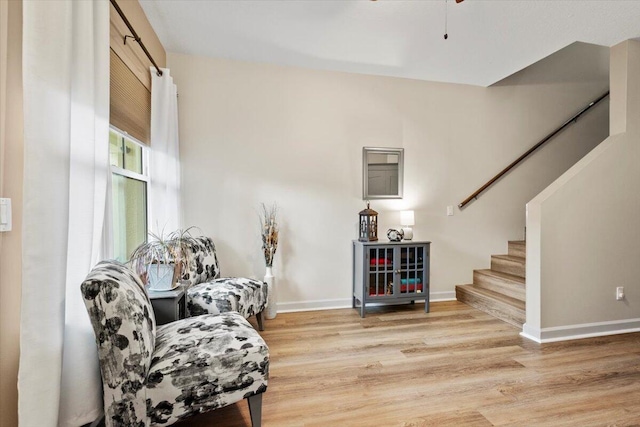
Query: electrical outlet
x=619, y=293
x=449, y=210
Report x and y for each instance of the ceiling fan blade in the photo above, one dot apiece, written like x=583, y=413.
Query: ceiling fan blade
x=459, y=1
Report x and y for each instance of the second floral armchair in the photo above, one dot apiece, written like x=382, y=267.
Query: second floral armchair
x=208, y=293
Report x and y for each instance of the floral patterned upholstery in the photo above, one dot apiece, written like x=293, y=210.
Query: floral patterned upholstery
x=125, y=329
x=158, y=377
x=246, y=296
x=201, y=264
x=209, y=294
x=204, y=363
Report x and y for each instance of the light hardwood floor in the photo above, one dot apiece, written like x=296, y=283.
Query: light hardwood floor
x=455, y=366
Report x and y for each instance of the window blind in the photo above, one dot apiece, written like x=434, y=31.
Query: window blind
x=130, y=102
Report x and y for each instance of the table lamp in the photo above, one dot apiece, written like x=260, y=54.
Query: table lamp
x=407, y=220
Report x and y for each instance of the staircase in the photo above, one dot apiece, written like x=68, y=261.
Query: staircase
x=499, y=291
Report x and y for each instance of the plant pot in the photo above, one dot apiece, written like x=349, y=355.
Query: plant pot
x=162, y=277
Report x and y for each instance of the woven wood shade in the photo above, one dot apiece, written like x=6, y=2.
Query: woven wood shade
x=130, y=104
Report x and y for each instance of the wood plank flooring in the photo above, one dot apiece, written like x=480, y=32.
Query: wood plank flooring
x=455, y=366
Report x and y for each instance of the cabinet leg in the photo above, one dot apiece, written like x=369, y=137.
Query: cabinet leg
x=362, y=309
x=426, y=305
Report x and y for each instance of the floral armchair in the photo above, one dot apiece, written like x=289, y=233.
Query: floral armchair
x=158, y=376
x=208, y=293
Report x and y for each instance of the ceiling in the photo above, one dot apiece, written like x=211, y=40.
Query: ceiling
x=488, y=39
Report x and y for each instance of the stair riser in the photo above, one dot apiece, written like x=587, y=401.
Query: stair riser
x=517, y=268
x=497, y=309
x=497, y=284
x=517, y=249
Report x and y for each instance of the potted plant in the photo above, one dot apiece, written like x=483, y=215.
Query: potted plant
x=160, y=259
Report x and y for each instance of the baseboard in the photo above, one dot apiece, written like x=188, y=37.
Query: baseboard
x=331, y=304
x=532, y=334
x=326, y=304
x=576, y=332
x=442, y=296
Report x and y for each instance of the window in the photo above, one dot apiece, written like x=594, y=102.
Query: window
x=129, y=181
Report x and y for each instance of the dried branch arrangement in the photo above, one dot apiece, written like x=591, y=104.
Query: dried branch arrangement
x=269, y=230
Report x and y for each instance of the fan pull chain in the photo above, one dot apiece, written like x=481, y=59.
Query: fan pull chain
x=446, y=35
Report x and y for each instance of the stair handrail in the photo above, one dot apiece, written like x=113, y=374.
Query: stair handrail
x=530, y=151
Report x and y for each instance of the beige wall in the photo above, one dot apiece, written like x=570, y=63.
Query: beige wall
x=625, y=87
x=583, y=230
x=618, y=76
x=254, y=133
x=11, y=145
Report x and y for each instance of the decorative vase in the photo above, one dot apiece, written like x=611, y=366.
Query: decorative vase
x=272, y=306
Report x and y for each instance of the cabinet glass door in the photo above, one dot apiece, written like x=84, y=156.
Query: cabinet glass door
x=411, y=270
x=380, y=272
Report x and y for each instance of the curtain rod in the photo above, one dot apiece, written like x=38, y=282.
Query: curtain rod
x=135, y=36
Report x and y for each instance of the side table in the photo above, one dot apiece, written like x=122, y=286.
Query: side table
x=168, y=306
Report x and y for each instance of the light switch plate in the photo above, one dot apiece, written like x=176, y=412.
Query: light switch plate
x=449, y=210
x=5, y=214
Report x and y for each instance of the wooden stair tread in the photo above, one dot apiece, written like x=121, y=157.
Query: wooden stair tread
x=501, y=290
x=504, y=276
x=512, y=258
x=509, y=264
x=515, y=303
x=517, y=248
x=495, y=304
x=501, y=282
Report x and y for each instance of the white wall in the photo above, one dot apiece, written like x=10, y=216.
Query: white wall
x=583, y=232
x=254, y=133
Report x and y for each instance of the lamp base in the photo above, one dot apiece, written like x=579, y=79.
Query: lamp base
x=408, y=233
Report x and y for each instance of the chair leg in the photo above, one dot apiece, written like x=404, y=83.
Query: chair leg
x=255, y=409
x=260, y=317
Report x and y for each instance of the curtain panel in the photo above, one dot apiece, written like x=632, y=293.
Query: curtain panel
x=165, y=211
x=66, y=120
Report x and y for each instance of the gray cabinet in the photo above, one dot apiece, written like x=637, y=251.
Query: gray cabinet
x=390, y=272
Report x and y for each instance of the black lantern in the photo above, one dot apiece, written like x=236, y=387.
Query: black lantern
x=368, y=225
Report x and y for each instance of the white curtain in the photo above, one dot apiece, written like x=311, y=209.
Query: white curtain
x=66, y=120
x=164, y=166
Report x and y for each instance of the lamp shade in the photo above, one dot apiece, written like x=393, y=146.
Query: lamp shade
x=407, y=218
